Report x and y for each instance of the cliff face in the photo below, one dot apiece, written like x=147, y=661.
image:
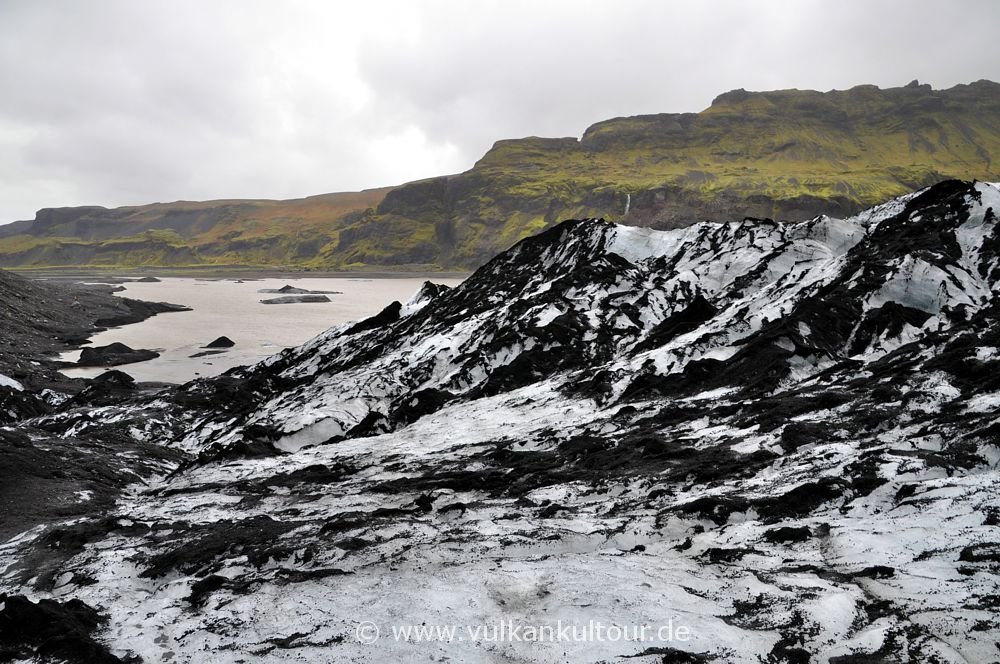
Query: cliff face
x=786, y=154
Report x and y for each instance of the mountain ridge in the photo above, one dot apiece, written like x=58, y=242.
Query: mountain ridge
x=786, y=154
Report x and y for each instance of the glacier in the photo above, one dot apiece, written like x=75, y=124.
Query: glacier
x=783, y=437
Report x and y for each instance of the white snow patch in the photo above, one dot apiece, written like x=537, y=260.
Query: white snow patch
x=547, y=315
x=785, y=343
x=987, y=353
x=6, y=381
x=640, y=244
x=983, y=403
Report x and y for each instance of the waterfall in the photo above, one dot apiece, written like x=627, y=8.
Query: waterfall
x=628, y=203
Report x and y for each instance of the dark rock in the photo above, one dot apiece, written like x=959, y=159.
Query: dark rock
x=420, y=403
x=797, y=434
x=206, y=353
x=550, y=511
x=453, y=507
x=430, y=291
x=714, y=508
x=202, y=588
x=675, y=656
x=698, y=311
x=52, y=631
x=344, y=523
x=786, y=652
x=41, y=475
x=109, y=388
x=801, y=500
x=292, y=290
x=201, y=547
x=113, y=355
x=221, y=342
x=240, y=449
x=385, y=317
x=317, y=474
x=352, y=544
x=905, y=491
x=296, y=299
x=788, y=534
x=986, y=552
x=876, y=572
x=115, y=378
x=18, y=405
x=137, y=311
x=425, y=503
x=284, y=290
x=723, y=555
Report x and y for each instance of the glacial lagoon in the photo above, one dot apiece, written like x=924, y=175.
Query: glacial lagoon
x=233, y=308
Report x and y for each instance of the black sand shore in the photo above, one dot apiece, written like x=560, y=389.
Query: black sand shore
x=41, y=319
x=48, y=477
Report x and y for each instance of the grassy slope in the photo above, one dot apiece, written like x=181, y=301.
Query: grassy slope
x=786, y=154
x=223, y=232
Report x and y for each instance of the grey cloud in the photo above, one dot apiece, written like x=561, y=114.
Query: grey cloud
x=556, y=70
x=120, y=102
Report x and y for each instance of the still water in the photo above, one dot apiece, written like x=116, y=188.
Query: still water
x=233, y=309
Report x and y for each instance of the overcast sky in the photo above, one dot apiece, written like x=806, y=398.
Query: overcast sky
x=117, y=103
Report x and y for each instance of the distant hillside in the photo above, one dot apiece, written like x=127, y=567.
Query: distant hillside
x=788, y=154
x=223, y=232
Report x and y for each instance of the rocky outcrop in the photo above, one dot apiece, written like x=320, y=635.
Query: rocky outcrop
x=292, y=290
x=296, y=299
x=113, y=355
x=221, y=342
x=220, y=345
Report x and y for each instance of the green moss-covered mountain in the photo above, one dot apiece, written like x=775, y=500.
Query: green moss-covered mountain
x=788, y=154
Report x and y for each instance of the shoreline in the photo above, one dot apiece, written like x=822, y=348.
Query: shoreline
x=49, y=318
x=66, y=477
x=234, y=308
x=74, y=273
